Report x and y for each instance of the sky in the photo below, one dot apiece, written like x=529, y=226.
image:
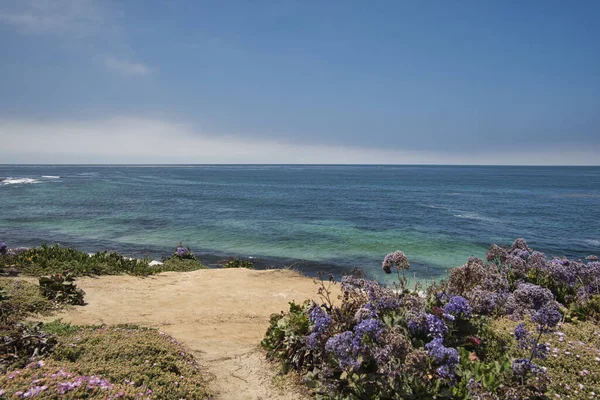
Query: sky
x=315, y=81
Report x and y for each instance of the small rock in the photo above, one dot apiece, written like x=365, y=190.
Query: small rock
x=592, y=258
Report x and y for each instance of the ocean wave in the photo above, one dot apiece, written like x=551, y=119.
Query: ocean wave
x=18, y=181
x=593, y=242
x=50, y=177
x=475, y=216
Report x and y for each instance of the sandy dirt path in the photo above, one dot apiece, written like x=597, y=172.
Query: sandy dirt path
x=220, y=315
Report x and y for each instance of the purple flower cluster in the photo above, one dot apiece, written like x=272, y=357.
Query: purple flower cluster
x=345, y=348
x=321, y=321
x=458, y=306
x=546, y=317
x=396, y=259
x=526, y=342
x=522, y=366
x=371, y=328
x=528, y=298
x=445, y=357
x=89, y=382
x=3, y=248
x=182, y=251
x=378, y=297
x=428, y=325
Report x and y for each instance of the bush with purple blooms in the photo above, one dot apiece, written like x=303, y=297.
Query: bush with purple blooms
x=184, y=253
x=379, y=343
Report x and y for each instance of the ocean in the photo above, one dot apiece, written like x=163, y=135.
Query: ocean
x=309, y=217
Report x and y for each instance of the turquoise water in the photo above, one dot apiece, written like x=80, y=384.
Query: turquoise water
x=330, y=218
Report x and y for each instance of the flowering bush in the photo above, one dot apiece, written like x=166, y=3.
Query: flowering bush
x=184, y=253
x=376, y=342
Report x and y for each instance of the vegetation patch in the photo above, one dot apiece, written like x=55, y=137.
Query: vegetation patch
x=510, y=327
x=61, y=288
x=55, y=259
x=19, y=299
x=109, y=362
x=235, y=262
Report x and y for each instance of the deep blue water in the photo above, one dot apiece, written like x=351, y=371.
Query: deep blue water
x=315, y=217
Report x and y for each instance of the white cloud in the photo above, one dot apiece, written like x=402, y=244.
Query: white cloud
x=56, y=17
x=154, y=141
x=126, y=67
x=88, y=24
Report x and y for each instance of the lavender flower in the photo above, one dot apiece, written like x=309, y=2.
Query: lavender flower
x=528, y=298
x=521, y=332
x=182, y=251
x=436, y=328
x=445, y=357
x=496, y=252
x=546, y=317
x=427, y=325
x=372, y=328
x=34, y=391
x=396, y=259
x=321, y=321
x=458, y=306
x=519, y=244
x=344, y=347
x=522, y=366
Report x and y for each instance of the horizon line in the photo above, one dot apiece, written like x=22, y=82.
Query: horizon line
x=301, y=164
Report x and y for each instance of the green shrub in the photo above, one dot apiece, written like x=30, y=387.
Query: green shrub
x=235, y=262
x=55, y=259
x=178, y=264
x=61, y=288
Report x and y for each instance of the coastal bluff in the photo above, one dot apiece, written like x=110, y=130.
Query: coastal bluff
x=220, y=315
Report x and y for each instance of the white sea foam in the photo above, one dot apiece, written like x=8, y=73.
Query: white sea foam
x=475, y=216
x=18, y=181
x=50, y=177
x=593, y=242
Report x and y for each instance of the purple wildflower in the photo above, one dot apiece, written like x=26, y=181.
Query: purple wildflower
x=546, y=317
x=458, y=306
x=521, y=332
x=3, y=248
x=445, y=357
x=396, y=259
x=344, y=347
x=372, y=328
x=519, y=244
x=436, y=328
x=521, y=366
x=34, y=391
x=321, y=321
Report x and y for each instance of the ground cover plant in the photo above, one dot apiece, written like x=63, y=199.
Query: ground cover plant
x=59, y=360
x=55, y=259
x=515, y=326
x=108, y=362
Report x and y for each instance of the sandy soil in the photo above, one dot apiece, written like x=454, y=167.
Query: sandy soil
x=220, y=315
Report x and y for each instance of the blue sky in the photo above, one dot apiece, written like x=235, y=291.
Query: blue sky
x=469, y=82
